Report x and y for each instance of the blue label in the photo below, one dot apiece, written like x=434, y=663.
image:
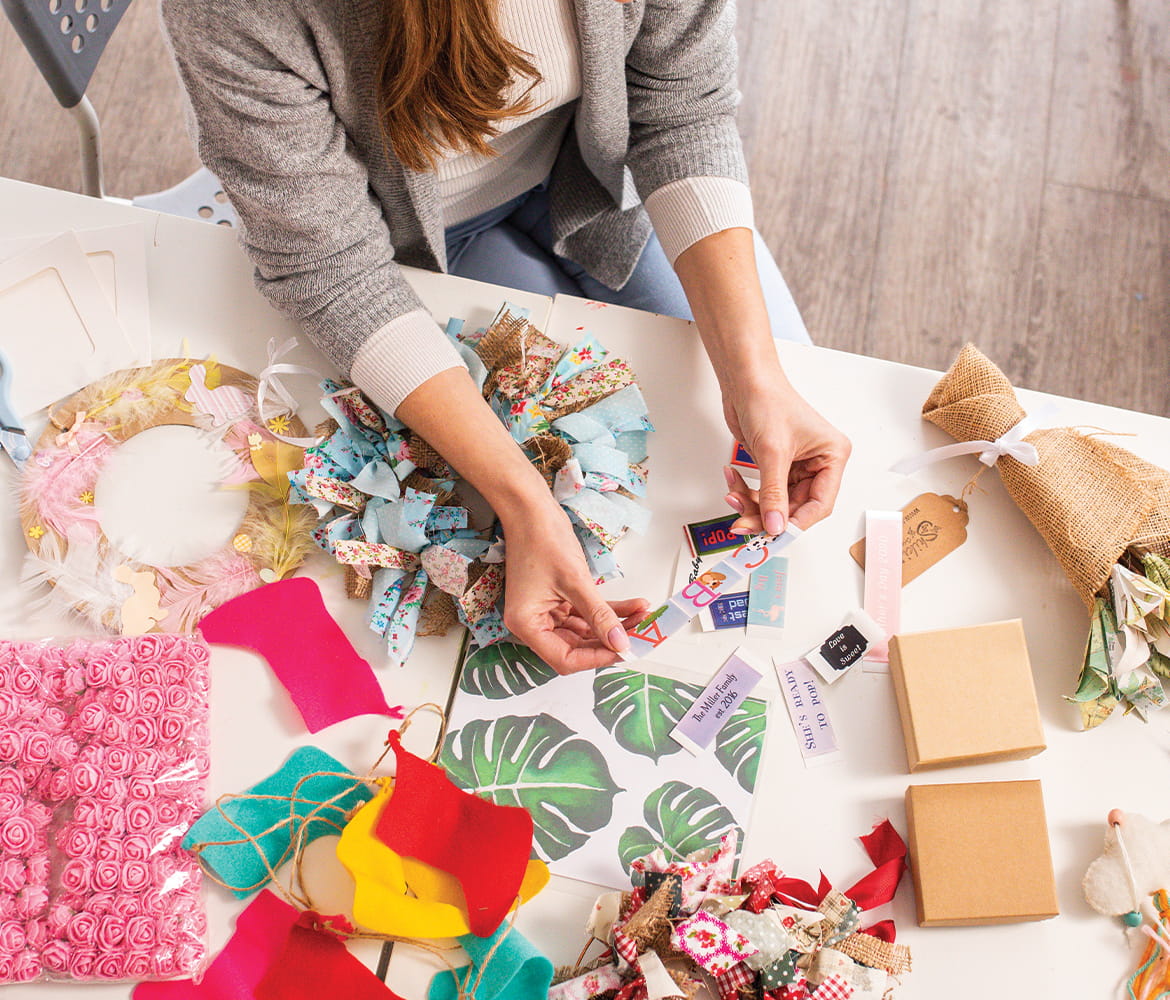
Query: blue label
x=741, y=456
x=713, y=535
x=730, y=610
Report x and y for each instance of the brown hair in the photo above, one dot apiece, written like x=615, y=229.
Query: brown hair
x=443, y=76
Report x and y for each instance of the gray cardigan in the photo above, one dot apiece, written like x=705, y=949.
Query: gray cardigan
x=283, y=97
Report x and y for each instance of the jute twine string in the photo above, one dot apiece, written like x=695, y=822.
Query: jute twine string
x=1089, y=499
x=296, y=892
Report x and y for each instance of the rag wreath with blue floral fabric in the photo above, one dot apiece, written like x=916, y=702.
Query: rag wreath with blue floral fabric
x=387, y=503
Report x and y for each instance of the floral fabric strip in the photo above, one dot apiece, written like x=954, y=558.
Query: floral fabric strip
x=713, y=945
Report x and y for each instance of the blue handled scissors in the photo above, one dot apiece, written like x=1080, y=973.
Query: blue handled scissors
x=12, y=436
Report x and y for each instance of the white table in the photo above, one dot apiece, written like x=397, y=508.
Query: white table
x=806, y=819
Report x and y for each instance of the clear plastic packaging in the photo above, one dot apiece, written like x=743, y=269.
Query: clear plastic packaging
x=103, y=768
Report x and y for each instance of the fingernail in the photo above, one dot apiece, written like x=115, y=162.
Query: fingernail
x=740, y=531
x=729, y=476
x=618, y=640
x=734, y=502
x=773, y=522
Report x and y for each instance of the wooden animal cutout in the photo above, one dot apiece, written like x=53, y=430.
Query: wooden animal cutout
x=141, y=612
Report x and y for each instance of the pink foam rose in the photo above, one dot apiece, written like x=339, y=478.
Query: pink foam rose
x=81, y=963
x=56, y=785
x=26, y=968
x=109, y=966
x=189, y=956
x=58, y=918
x=74, y=680
x=106, y=875
x=146, y=760
x=197, y=652
x=11, y=937
x=55, y=956
x=152, y=700
x=53, y=657
x=115, y=730
x=124, y=701
x=123, y=672
x=119, y=761
x=39, y=814
x=138, y=965
x=111, y=931
x=135, y=876
x=136, y=846
x=142, y=732
x=90, y=717
x=36, y=748
x=151, y=675
x=11, y=745
x=9, y=705
x=101, y=903
x=8, y=907
x=78, y=841
x=53, y=719
x=140, y=788
x=171, y=728
x=38, y=867
x=147, y=648
x=26, y=681
x=109, y=849
x=127, y=905
x=18, y=835
x=167, y=812
x=13, y=875
x=11, y=780
x=84, y=779
x=31, y=901
x=179, y=700
x=77, y=875
x=36, y=933
x=81, y=930
x=99, y=667
x=7, y=968
x=111, y=790
x=63, y=749
x=141, y=933
x=10, y=804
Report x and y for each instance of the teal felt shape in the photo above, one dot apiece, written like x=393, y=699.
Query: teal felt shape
x=516, y=970
x=240, y=866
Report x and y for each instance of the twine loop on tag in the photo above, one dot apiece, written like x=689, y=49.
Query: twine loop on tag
x=1008, y=445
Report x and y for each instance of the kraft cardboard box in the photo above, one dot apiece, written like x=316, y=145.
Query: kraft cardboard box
x=966, y=695
x=979, y=853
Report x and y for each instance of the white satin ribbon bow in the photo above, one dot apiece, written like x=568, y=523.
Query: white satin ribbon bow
x=1011, y=445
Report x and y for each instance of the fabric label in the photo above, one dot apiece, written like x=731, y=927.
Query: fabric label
x=810, y=717
x=933, y=526
x=714, y=708
x=730, y=611
x=767, y=594
x=883, y=579
x=741, y=457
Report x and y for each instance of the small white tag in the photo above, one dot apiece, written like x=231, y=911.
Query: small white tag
x=809, y=714
x=842, y=650
x=714, y=708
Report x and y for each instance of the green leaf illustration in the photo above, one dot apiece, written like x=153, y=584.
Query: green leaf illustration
x=640, y=709
x=682, y=819
x=739, y=746
x=539, y=763
x=503, y=670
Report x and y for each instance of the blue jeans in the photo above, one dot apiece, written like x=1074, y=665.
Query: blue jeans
x=512, y=245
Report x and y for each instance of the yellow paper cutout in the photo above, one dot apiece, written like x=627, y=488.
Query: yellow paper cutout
x=380, y=903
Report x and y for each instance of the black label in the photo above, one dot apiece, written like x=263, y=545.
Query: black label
x=844, y=647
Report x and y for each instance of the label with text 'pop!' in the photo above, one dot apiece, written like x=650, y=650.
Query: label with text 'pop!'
x=714, y=708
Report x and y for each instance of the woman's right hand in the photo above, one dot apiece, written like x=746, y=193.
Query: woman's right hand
x=551, y=603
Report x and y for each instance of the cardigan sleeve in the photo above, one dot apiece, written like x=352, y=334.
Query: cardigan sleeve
x=685, y=151
x=263, y=123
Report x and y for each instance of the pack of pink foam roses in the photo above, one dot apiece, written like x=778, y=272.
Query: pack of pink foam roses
x=103, y=767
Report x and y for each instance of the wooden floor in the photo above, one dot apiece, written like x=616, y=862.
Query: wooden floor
x=928, y=172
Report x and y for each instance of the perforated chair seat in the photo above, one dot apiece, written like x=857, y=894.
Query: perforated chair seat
x=200, y=196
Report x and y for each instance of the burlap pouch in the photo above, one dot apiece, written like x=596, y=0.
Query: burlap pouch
x=1090, y=499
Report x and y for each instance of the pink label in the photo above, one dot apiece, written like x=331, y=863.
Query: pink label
x=883, y=576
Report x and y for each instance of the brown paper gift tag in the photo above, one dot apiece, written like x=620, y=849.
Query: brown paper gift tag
x=933, y=526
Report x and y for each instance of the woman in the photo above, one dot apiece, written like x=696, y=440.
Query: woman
x=354, y=136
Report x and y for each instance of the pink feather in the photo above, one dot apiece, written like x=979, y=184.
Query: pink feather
x=54, y=480
x=190, y=592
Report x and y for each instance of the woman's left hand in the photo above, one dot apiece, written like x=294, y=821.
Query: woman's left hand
x=801, y=456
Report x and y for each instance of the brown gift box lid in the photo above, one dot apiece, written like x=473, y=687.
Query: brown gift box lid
x=966, y=695
x=979, y=853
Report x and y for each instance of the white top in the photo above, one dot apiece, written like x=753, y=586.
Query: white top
x=683, y=212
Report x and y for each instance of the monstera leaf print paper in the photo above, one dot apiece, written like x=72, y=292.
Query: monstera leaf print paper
x=590, y=756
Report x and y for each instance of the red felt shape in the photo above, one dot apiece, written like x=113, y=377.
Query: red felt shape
x=315, y=963
x=286, y=623
x=261, y=932
x=484, y=845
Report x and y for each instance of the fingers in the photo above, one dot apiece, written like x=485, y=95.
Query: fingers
x=567, y=653
x=774, y=490
x=822, y=495
x=602, y=618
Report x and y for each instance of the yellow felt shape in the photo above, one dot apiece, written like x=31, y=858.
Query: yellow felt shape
x=381, y=904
